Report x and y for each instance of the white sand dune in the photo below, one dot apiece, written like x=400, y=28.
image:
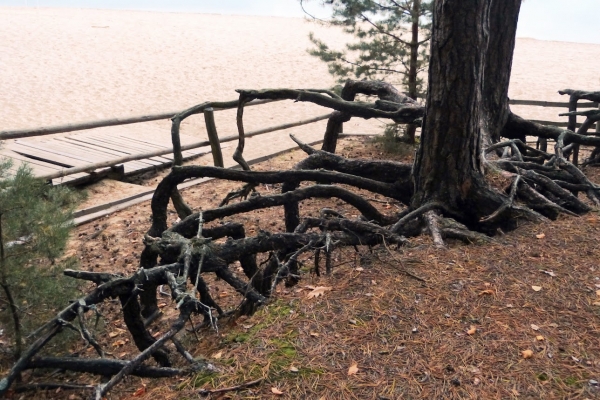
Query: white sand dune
x=66, y=65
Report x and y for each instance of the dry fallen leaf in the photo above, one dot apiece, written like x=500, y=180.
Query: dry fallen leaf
x=540, y=338
x=535, y=327
x=596, y=303
x=598, y=293
x=536, y=288
x=552, y=274
x=218, y=355
x=527, y=353
x=113, y=334
x=487, y=291
x=293, y=369
x=119, y=343
x=139, y=392
x=540, y=236
x=472, y=330
x=276, y=391
x=353, y=369
x=318, y=291
x=314, y=334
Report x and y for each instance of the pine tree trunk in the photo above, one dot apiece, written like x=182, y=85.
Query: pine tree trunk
x=413, y=63
x=503, y=28
x=449, y=163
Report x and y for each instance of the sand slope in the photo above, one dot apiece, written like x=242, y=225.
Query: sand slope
x=65, y=65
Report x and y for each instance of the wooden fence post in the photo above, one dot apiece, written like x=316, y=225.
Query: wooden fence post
x=213, y=137
x=598, y=122
x=573, y=125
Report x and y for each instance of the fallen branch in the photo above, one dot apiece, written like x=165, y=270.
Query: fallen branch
x=206, y=392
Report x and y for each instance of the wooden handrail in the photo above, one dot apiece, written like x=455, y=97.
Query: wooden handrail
x=551, y=104
x=24, y=133
x=81, y=126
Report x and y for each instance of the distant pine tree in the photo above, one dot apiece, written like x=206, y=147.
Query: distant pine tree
x=393, y=42
x=35, y=221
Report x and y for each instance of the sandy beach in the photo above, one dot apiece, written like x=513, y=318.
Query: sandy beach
x=68, y=65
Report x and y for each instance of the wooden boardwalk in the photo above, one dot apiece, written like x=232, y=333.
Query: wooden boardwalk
x=51, y=154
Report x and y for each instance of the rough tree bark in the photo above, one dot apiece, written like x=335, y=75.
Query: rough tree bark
x=503, y=17
x=449, y=166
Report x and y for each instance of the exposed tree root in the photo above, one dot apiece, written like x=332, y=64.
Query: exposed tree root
x=543, y=185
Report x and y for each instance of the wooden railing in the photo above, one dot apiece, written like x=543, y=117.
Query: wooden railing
x=554, y=104
x=214, y=141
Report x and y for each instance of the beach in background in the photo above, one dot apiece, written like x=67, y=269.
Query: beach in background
x=62, y=65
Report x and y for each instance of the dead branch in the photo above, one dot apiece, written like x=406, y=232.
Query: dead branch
x=403, y=113
x=102, y=366
x=205, y=392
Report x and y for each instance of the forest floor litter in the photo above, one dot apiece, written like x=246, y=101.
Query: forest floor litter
x=516, y=318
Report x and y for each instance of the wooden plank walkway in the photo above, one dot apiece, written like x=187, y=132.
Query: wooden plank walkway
x=52, y=154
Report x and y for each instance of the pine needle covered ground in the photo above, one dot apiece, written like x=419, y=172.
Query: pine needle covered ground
x=518, y=318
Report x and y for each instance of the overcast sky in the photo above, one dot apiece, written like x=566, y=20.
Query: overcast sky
x=571, y=21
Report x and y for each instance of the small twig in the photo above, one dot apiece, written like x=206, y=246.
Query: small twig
x=182, y=350
x=103, y=389
x=328, y=212
x=403, y=269
x=242, y=193
x=206, y=392
x=51, y=386
x=97, y=233
x=507, y=204
x=200, y=224
x=86, y=333
x=285, y=266
x=328, y=248
x=148, y=321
